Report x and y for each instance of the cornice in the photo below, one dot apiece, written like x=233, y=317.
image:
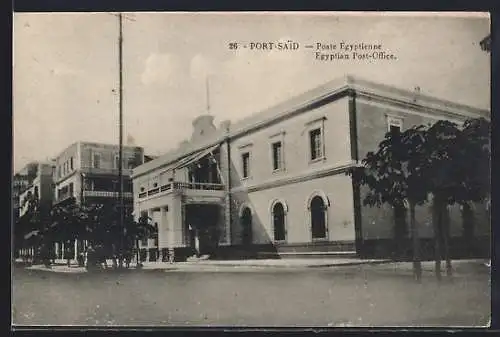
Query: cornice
x=339, y=88
x=310, y=175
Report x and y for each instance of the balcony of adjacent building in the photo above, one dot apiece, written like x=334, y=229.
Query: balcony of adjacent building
x=105, y=171
x=65, y=194
x=106, y=188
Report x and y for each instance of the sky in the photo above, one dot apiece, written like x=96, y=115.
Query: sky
x=65, y=71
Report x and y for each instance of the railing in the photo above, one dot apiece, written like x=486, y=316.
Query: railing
x=182, y=186
x=198, y=186
x=154, y=191
x=64, y=197
x=106, y=194
x=105, y=171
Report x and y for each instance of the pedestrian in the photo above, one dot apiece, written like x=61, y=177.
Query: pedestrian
x=171, y=257
x=81, y=259
x=91, y=262
x=128, y=258
x=197, y=242
x=67, y=253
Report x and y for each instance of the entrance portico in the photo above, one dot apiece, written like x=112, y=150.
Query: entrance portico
x=185, y=213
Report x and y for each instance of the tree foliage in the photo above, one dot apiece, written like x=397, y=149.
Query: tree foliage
x=449, y=162
x=99, y=224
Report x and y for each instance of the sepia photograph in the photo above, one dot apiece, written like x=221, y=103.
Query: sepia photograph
x=251, y=170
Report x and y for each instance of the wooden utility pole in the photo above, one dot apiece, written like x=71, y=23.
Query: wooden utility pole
x=120, y=155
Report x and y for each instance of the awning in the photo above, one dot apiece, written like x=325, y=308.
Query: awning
x=195, y=157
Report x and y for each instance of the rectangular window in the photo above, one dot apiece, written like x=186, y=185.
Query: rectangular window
x=117, y=161
x=71, y=163
x=316, y=144
x=96, y=160
x=395, y=129
x=394, y=124
x=245, y=160
x=277, y=156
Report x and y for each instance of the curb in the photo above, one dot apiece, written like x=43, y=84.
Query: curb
x=348, y=264
x=192, y=266
x=284, y=266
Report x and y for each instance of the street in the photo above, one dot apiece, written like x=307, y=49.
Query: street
x=367, y=295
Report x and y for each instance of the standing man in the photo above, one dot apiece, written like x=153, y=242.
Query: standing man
x=67, y=253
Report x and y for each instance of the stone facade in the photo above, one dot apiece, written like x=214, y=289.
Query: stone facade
x=280, y=185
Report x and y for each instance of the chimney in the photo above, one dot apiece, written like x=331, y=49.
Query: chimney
x=225, y=125
x=416, y=93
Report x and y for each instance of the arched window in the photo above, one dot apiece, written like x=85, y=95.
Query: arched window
x=246, y=224
x=318, y=218
x=279, y=222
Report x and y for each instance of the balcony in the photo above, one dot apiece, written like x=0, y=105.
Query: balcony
x=64, y=198
x=107, y=194
x=186, y=188
x=105, y=171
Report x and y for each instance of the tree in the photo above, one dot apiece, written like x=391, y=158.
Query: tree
x=456, y=172
x=138, y=230
x=393, y=177
x=96, y=223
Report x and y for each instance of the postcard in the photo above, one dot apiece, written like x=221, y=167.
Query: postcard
x=251, y=169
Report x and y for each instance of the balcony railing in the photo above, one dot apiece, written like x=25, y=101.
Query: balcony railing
x=105, y=171
x=198, y=186
x=106, y=194
x=182, y=186
x=64, y=197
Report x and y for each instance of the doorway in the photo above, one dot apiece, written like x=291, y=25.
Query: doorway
x=318, y=218
x=201, y=227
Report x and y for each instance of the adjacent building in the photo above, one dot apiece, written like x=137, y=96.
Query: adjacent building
x=275, y=183
x=39, y=189
x=20, y=182
x=83, y=173
x=32, y=185
x=88, y=173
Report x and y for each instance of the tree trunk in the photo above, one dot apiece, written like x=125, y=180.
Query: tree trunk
x=137, y=253
x=436, y=221
x=417, y=265
x=446, y=240
x=467, y=227
x=400, y=231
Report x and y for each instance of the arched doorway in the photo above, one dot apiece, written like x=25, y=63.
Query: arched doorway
x=318, y=218
x=246, y=224
x=279, y=222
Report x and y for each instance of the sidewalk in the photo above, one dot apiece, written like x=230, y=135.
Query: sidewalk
x=218, y=265
x=266, y=263
x=459, y=266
